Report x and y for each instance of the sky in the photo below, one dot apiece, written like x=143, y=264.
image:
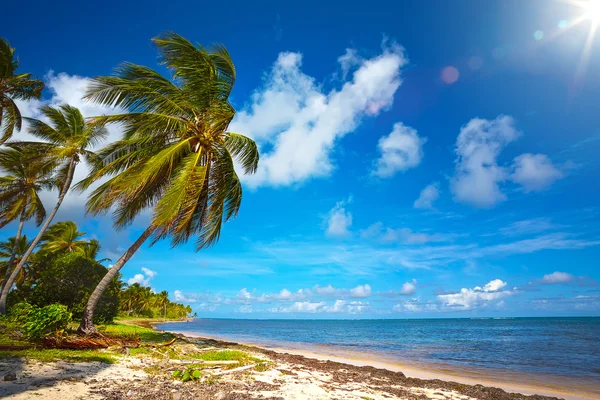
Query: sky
x=418, y=159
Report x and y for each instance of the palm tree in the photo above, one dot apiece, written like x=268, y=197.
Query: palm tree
x=22, y=180
x=162, y=301
x=13, y=87
x=11, y=251
x=67, y=142
x=63, y=237
x=92, y=249
x=176, y=149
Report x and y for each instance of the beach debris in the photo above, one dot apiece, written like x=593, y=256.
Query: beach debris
x=75, y=342
x=231, y=371
x=11, y=376
x=203, y=362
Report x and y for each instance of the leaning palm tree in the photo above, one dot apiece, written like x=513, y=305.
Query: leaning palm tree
x=23, y=178
x=67, y=141
x=176, y=157
x=13, y=87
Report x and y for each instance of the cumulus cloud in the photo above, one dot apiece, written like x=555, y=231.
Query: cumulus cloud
x=312, y=307
x=535, y=172
x=339, y=221
x=477, y=176
x=143, y=278
x=297, y=122
x=402, y=149
x=325, y=290
x=149, y=273
x=409, y=288
x=302, y=307
x=428, y=196
x=557, y=277
x=180, y=297
x=468, y=299
x=361, y=291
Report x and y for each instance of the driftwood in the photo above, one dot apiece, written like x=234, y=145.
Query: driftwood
x=231, y=371
x=169, y=343
x=223, y=362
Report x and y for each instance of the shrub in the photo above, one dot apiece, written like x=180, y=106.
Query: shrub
x=20, y=312
x=48, y=320
x=70, y=279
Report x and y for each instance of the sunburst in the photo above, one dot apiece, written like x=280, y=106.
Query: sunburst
x=590, y=14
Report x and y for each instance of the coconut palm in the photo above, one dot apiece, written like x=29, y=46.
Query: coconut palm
x=23, y=178
x=67, y=141
x=11, y=251
x=13, y=87
x=177, y=156
x=63, y=237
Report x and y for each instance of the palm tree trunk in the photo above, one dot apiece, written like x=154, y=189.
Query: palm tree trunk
x=8, y=284
x=14, y=249
x=87, y=321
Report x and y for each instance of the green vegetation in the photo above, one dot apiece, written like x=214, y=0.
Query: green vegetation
x=176, y=144
x=48, y=355
x=140, y=301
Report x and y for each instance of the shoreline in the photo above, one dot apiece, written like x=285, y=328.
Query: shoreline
x=539, y=386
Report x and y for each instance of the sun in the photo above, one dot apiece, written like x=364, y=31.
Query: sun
x=592, y=10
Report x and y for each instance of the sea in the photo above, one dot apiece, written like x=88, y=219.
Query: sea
x=555, y=348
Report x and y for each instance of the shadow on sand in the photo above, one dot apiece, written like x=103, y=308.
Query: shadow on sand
x=33, y=375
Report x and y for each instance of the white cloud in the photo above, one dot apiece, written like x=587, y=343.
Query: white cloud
x=494, y=286
x=358, y=307
x=361, y=291
x=402, y=149
x=143, y=278
x=402, y=235
x=180, y=297
x=349, y=60
x=245, y=309
x=415, y=305
x=557, y=277
x=149, y=273
x=428, y=196
x=529, y=226
x=297, y=123
x=303, y=307
x=535, y=172
x=339, y=221
x=409, y=288
x=477, y=175
x=338, y=307
x=325, y=290
x=468, y=299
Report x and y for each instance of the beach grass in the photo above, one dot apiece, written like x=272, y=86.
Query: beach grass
x=130, y=331
x=48, y=355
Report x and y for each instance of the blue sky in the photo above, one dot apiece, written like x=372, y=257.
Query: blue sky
x=419, y=159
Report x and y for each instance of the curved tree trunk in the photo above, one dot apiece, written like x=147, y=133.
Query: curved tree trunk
x=14, y=250
x=87, y=321
x=8, y=284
